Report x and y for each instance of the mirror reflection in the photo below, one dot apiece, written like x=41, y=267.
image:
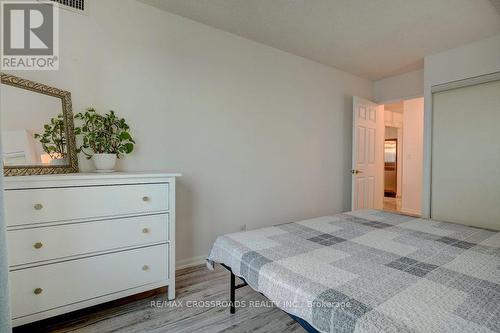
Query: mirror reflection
x=32, y=127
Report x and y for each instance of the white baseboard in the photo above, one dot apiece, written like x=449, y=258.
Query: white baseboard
x=190, y=262
x=410, y=211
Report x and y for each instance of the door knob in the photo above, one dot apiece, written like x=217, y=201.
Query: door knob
x=355, y=172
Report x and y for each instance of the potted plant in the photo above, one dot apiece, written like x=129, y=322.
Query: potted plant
x=104, y=138
x=53, y=140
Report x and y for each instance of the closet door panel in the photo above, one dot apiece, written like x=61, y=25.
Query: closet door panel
x=466, y=155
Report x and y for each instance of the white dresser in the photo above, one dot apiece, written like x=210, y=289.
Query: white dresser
x=78, y=240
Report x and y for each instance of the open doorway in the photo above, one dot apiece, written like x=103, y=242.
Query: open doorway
x=387, y=155
x=403, y=156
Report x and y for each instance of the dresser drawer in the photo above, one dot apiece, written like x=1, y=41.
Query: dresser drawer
x=46, y=287
x=61, y=204
x=46, y=243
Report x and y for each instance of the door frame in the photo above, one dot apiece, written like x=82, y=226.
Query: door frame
x=428, y=128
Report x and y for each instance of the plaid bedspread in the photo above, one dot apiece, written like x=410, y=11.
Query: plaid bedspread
x=373, y=271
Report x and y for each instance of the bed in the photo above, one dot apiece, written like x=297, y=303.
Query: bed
x=371, y=271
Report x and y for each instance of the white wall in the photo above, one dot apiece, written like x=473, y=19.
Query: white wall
x=399, y=87
x=475, y=59
x=413, y=151
x=467, y=61
x=261, y=136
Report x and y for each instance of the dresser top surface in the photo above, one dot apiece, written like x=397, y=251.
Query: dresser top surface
x=91, y=178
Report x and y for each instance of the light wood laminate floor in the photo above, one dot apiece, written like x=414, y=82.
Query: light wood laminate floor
x=392, y=204
x=193, y=284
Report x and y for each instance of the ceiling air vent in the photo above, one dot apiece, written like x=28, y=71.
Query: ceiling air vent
x=79, y=6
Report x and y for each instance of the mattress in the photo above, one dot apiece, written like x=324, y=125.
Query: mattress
x=373, y=271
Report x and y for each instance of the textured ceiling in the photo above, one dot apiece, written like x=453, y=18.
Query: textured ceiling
x=370, y=38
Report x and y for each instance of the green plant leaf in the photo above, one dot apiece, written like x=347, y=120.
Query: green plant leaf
x=129, y=147
x=124, y=136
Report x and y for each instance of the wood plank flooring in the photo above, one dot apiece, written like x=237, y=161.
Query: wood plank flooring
x=193, y=284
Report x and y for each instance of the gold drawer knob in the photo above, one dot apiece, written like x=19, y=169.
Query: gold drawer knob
x=145, y=268
x=145, y=198
x=145, y=231
x=38, y=245
x=37, y=291
x=38, y=206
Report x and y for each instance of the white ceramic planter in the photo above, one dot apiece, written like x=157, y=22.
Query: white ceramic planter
x=104, y=162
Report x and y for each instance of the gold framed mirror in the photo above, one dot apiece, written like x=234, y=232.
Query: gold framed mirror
x=37, y=128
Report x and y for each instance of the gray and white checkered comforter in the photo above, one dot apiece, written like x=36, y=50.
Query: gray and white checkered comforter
x=373, y=271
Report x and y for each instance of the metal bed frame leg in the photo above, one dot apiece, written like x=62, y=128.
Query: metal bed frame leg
x=232, y=309
x=232, y=289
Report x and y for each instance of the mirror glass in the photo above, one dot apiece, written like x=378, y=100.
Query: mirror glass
x=32, y=127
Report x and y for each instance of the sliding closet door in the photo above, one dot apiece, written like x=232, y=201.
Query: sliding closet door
x=466, y=155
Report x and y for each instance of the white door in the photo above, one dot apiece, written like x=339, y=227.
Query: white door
x=367, y=155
